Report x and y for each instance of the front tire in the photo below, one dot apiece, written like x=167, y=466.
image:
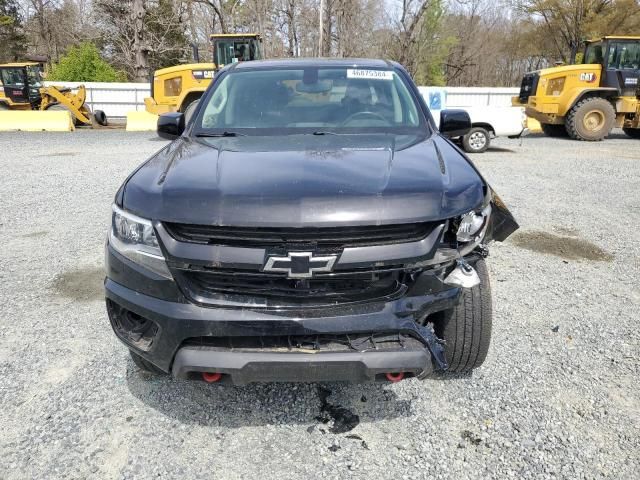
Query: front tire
x=555, y=131
x=466, y=328
x=591, y=119
x=144, y=365
x=632, y=132
x=476, y=141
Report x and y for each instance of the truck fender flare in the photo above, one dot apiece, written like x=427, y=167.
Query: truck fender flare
x=487, y=126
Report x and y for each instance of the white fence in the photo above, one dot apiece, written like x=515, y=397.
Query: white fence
x=116, y=99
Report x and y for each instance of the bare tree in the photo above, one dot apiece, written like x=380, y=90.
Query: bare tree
x=411, y=15
x=140, y=36
x=565, y=23
x=291, y=15
x=224, y=12
x=462, y=42
x=139, y=45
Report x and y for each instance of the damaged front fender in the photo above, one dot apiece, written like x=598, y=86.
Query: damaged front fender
x=502, y=222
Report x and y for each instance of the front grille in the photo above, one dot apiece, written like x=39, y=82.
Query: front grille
x=325, y=237
x=209, y=286
x=529, y=86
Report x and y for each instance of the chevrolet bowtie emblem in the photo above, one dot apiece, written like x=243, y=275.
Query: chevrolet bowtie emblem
x=300, y=264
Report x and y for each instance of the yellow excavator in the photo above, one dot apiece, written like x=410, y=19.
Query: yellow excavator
x=22, y=88
x=586, y=101
x=178, y=89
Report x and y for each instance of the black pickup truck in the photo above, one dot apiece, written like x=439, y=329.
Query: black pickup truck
x=309, y=223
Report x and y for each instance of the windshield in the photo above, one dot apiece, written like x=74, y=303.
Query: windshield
x=593, y=54
x=236, y=50
x=320, y=100
x=12, y=76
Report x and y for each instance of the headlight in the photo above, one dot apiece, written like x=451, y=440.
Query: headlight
x=555, y=86
x=134, y=238
x=473, y=225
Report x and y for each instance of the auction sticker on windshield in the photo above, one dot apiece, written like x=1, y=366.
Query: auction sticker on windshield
x=370, y=74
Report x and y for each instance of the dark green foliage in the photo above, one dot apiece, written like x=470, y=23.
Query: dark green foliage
x=83, y=63
x=12, y=39
x=433, y=46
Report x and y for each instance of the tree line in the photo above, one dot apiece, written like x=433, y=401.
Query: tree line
x=441, y=42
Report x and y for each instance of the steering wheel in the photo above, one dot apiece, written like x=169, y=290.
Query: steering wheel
x=355, y=116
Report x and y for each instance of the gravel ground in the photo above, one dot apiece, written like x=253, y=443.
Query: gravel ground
x=557, y=397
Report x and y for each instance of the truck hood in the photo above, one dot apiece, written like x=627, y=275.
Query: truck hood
x=305, y=180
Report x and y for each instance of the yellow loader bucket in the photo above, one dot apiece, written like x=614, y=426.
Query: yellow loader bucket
x=62, y=98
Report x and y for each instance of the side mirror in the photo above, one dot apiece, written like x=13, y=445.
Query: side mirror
x=454, y=123
x=171, y=125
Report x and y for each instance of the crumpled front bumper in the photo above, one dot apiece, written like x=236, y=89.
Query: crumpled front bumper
x=179, y=321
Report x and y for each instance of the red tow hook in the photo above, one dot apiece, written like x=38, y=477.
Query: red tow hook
x=394, y=377
x=211, y=377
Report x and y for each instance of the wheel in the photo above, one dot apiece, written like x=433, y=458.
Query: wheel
x=466, y=328
x=144, y=365
x=4, y=106
x=476, y=141
x=632, y=132
x=551, y=130
x=590, y=119
x=100, y=117
x=189, y=110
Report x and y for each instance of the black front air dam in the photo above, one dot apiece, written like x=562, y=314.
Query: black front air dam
x=179, y=321
x=246, y=367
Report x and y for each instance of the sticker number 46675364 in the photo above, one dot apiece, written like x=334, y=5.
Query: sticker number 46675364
x=370, y=74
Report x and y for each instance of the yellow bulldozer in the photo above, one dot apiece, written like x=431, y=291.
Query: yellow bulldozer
x=586, y=101
x=178, y=89
x=22, y=88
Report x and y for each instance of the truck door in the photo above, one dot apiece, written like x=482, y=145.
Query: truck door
x=14, y=82
x=623, y=67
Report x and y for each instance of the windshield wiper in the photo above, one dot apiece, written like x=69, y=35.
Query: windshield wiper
x=324, y=132
x=223, y=134
x=339, y=134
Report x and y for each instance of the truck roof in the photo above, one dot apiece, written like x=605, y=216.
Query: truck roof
x=316, y=62
x=234, y=35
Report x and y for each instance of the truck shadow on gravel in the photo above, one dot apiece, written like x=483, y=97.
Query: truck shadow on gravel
x=500, y=150
x=567, y=247
x=330, y=407
x=82, y=285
